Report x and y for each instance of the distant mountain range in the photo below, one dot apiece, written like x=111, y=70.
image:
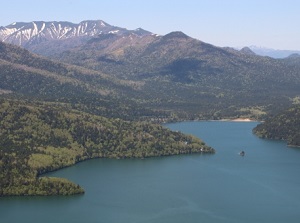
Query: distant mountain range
x=60, y=35
x=262, y=51
x=36, y=35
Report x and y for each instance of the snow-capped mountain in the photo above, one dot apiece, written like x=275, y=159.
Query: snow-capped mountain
x=25, y=34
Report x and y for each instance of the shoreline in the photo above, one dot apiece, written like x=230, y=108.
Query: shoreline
x=214, y=120
x=238, y=120
x=233, y=120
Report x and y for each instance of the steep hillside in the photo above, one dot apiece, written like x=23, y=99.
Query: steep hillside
x=284, y=126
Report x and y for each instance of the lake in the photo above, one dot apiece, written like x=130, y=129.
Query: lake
x=262, y=186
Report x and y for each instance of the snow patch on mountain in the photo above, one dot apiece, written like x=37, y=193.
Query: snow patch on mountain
x=20, y=33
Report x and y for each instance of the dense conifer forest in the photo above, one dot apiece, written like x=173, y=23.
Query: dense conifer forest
x=38, y=137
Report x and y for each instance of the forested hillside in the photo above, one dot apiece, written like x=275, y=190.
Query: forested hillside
x=284, y=126
x=26, y=75
x=39, y=137
x=191, y=77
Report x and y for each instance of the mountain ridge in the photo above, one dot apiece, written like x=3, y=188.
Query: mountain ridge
x=32, y=34
x=28, y=34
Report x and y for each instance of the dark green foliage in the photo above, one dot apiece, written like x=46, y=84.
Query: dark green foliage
x=284, y=126
x=39, y=137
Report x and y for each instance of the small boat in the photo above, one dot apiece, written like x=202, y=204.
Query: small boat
x=242, y=153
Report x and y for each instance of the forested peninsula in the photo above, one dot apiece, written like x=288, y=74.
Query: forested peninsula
x=38, y=137
x=284, y=126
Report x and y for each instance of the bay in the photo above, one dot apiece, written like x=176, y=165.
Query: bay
x=262, y=186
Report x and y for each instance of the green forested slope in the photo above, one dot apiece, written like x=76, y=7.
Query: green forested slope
x=284, y=126
x=26, y=75
x=39, y=137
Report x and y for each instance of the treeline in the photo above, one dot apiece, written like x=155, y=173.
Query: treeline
x=284, y=126
x=38, y=137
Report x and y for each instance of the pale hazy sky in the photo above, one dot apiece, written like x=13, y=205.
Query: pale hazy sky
x=269, y=23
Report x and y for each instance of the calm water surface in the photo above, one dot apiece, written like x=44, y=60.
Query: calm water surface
x=263, y=186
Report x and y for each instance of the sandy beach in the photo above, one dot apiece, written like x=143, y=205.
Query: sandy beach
x=242, y=120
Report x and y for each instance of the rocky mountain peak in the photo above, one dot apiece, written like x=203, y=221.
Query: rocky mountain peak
x=176, y=34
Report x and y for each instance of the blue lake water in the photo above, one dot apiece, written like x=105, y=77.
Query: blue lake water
x=263, y=186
